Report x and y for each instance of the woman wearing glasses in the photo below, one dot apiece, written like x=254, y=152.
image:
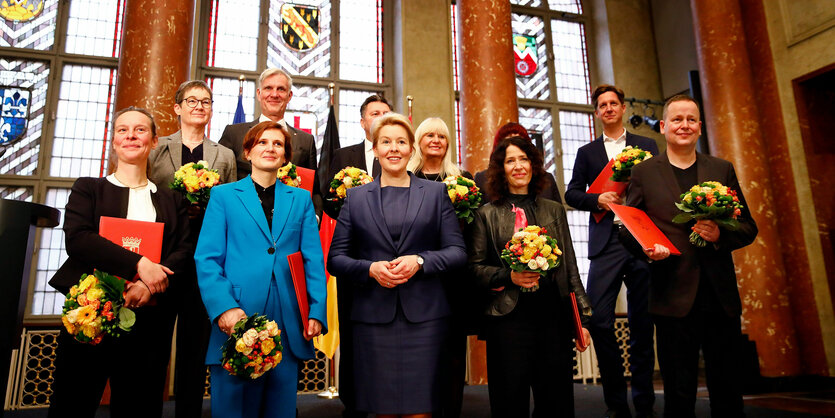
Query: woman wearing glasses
x=193, y=106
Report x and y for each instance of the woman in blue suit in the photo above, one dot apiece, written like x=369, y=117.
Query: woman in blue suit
x=393, y=239
x=250, y=228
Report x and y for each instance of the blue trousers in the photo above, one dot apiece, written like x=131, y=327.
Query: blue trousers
x=271, y=395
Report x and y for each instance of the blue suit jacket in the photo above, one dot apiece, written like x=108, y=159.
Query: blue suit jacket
x=590, y=161
x=361, y=237
x=234, y=266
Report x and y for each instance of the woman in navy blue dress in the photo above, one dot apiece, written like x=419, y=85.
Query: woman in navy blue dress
x=393, y=240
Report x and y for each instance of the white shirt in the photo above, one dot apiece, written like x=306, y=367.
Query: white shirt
x=263, y=118
x=140, y=206
x=613, y=147
x=369, y=156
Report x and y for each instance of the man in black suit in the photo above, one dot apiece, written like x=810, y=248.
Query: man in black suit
x=275, y=89
x=360, y=156
x=612, y=265
x=694, y=298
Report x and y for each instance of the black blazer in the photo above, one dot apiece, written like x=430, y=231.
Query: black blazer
x=92, y=198
x=675, y=280
x=590, y=161
x=361, y=237
x=551, y=191
x=487, y=235
x=304, y=153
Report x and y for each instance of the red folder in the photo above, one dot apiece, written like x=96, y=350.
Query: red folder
x=141, y=237
x=306, y=176
x=604, y=183
x=642, y=228
x=578, y=323
x=297, y=272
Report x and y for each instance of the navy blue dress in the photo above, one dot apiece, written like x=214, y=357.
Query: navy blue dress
x=397, y=363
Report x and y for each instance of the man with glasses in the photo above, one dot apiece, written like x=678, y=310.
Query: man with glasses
x=612, y=265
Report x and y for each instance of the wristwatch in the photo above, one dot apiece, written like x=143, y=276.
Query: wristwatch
x=420, y=261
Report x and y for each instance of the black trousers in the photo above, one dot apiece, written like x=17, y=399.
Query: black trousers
x=679, y=341
x=613, y=266
x=136, y=365
x=528, y=352
x=193, y=331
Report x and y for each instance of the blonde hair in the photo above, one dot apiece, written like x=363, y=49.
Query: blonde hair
x=438, y=127
x=392, y=119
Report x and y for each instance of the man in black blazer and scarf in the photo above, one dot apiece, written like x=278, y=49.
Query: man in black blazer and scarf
x=612, y=264
x=693, y=298
x=275, y=89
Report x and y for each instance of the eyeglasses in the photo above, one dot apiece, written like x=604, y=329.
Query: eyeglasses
x=192, y=102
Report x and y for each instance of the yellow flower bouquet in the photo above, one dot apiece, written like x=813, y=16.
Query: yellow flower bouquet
x=625, y=160
x=345, y=179
x=709, y=200
x=465, y=196
x=95, y=308
x=532, y=249
x=253, y=349
x=288, y=175
x=195, y=180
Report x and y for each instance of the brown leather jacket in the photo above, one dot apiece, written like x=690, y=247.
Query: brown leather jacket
x=487, y=235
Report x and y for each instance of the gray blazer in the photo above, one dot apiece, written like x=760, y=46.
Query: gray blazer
x=168, y=156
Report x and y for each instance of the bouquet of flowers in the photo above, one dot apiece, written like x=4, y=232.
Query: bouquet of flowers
x=254, y=347
x=531, y=249
x=625, y=160
x=195, y=180
x=709, y=200
x=288, y=175
x=345, y=179
x=95, y=307
x=465, y=196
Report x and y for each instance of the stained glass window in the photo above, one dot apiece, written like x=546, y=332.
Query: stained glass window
x=45, y=299
x=453, y=9
x=315, y=61
x=22, y=157
x=571, y=62
x=458, y=130
x=308, y=111
x=350, y=131
x=24, y=194
x=539, y=120
x=225, y=95
x=570, y=6
x=95, y=27
x=576, y=130
x=37, y=34
x=578, y=226
x=233, y=34
x=531, y=3
x=361, y=40
x=534, y=86
x=85, y=103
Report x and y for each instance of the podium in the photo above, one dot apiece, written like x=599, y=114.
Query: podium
x=18, y=221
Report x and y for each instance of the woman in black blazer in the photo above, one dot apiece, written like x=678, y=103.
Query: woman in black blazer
x=528, y=333
x=135, y=363
x=393, y=239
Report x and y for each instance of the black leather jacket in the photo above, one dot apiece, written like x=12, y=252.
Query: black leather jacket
x=492, y=228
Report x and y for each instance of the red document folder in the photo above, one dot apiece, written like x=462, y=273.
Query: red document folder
x=141, y=237
x=642, y=228
x=578, y=323
x=604, y=183
x=297, y=271
x=306, y=175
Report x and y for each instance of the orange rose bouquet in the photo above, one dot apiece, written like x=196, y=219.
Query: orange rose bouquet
x=253, y=349
x=195, y=180
x=95, y=308
x=288, y=175
x=532, y=249
x=709, y=200
x=625, y=160
x=465, y=196
x=345, y=179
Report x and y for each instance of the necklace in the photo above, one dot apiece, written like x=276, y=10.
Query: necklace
x=437, y=176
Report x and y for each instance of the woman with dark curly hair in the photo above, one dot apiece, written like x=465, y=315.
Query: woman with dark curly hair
x=529, y=331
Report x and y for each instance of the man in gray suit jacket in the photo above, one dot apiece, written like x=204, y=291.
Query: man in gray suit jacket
x=275, y=89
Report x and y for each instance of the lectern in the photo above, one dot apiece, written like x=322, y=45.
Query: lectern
x=18, y=221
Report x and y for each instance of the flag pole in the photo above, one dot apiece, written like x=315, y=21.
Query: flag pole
x=241, y=79
x=331, y=86
x=409, y=100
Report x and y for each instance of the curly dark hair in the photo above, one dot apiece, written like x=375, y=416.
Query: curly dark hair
x=497, y=188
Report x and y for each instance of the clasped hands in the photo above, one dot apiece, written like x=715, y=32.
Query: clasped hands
x=707, y=229
x=153, y=279
x=526, y=279
x=394, y=273
x=227, y=320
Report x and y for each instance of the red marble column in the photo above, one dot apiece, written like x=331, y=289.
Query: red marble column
x=155, y=57
x=488, y=101
x=733, y=122
x=488, y=83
